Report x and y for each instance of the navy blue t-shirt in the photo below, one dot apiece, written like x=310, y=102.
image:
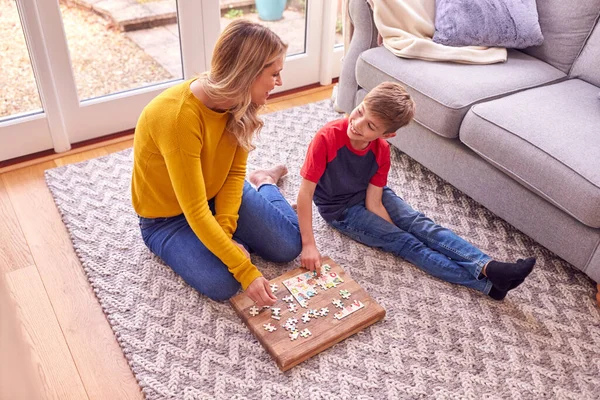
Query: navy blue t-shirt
x=342, y=173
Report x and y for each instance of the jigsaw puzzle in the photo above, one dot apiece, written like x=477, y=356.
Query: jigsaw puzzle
x=303, y=313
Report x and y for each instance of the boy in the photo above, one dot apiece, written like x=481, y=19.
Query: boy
x=345, y=173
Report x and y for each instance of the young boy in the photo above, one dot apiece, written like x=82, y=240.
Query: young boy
x=345, y=173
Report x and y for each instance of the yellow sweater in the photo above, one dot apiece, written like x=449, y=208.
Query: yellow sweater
x=182, y=157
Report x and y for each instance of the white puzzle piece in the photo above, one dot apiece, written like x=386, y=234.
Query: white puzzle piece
x=288, y=299
x=305, y=333
x=306, y=318
x=254, y=311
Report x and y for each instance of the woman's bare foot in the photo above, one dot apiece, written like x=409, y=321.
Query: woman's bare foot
x=271, y=175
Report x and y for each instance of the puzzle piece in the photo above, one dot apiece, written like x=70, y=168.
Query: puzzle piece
x=355, y=306
x=305, y=318
x=305, y=333
x=338, y=303
x=288, y=299
x=276, y=311
x=289, y=327
x=293, y=308
x=269, y=327
x=291, y=321
x=254, y=311
x=324, y=311
x=344, y=294
x=274, y=287
x=294, y=335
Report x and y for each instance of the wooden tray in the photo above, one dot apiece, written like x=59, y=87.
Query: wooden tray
x=325, y=331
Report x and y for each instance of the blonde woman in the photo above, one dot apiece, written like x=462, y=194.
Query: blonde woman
x=197, y=212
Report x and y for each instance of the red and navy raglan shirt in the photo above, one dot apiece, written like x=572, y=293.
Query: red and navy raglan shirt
x=342, y=173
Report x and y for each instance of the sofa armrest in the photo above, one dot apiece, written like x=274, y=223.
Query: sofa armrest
x=363, y=38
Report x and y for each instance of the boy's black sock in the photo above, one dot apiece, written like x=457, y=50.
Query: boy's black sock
x=504, y=276
x=497, y=294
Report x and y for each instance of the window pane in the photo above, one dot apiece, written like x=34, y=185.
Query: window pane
x=286, y=18
x=19, y=90
x=339, y=38
x=122, y=45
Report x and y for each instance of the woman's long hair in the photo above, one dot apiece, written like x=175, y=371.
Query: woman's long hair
x=244, y=49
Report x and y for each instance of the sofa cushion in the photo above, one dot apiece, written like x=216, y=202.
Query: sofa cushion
x=587, y=65
x=546, y=138
x=565, y=25
x=444, y=92
x=492, y=23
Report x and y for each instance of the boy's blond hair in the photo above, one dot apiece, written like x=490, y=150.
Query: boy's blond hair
x=391, y=104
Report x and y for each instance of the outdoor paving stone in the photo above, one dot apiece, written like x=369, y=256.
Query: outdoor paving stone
x=161, y=44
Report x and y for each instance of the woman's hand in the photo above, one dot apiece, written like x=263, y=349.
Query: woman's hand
x=241, y=248
x=311, y=258
x=259, y=291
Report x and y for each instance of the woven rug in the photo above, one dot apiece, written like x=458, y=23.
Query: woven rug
x=437, y=341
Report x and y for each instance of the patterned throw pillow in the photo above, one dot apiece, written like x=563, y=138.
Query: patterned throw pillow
x=490, y=23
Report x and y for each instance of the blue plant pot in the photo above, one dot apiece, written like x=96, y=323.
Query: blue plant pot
x=270, y=10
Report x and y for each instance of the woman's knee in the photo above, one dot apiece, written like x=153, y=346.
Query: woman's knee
x=220, y=290
x=210, y=279
x=286, y=250
x=223, y=293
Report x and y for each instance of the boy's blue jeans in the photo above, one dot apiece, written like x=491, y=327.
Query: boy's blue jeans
x=267, y=226
x=418, y=240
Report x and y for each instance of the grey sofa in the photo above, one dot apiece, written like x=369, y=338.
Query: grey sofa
x=522, y=138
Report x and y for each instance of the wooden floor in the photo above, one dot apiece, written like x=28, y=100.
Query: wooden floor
x=55, y=341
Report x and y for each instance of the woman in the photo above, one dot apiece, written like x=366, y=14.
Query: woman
x=191, y=144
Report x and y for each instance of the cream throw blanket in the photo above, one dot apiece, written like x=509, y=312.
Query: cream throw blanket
x=407, y=28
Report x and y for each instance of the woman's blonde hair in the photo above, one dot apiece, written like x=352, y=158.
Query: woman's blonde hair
x=244, y=49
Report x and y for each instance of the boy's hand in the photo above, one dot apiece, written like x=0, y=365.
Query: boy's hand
x=311, y=258
x=259, y=291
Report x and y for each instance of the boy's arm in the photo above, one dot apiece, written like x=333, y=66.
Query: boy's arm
x=311, y=258
x=374, y=204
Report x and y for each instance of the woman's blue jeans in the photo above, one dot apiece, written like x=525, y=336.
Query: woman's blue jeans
x=417, y=239
x=267, y=226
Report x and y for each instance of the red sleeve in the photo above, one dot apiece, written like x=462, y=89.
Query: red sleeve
x=316, y=158
x=382, y=157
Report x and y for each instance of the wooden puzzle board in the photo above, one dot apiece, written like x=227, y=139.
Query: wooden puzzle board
x=325, y=331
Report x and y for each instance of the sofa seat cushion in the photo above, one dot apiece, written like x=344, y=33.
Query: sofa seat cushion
x=546, y=138
x=444, y=91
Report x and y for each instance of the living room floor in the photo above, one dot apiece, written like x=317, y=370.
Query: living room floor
x=54, y=314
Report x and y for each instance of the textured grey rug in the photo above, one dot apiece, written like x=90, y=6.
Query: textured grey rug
x=437, y=340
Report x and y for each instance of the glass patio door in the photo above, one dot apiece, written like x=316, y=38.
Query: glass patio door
x=307, y=26
x=97, y=64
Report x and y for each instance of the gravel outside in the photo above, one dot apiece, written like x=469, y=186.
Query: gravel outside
x=104, y=60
